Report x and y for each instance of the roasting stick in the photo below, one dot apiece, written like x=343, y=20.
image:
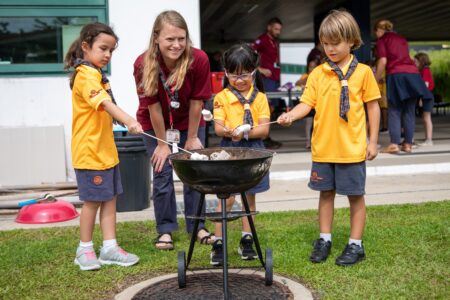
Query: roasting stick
x=156, y=138
x=246, y=127
x=264, y=124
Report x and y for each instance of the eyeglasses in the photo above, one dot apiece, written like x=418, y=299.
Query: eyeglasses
x=245, y=76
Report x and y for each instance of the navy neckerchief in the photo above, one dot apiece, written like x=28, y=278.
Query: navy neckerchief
x=105, y=81
x=344, y=106
x=248, y=119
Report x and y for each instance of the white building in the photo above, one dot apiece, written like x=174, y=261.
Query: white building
x=36, y=110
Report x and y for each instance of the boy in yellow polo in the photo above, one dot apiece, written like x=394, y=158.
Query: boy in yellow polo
x=338, y=90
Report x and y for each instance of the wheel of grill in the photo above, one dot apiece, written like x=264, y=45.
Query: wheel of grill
x=181, y=269
x=269, y=267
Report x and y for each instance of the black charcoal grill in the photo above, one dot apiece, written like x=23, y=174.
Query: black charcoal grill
x=244, y=170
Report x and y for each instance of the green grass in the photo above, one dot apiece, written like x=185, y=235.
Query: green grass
x=407, y=247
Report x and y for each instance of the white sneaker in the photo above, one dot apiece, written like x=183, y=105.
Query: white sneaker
x=117, y=256
x=86, y=259
x=426, y=143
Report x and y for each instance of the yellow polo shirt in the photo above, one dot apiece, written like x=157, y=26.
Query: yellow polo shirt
x=334, y=140
x=228, y=108
x=93, y=145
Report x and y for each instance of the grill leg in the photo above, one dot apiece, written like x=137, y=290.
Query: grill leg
x=252, y=226
x=225, y=249
x=194, y=230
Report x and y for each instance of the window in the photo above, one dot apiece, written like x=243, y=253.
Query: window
x=34, y=38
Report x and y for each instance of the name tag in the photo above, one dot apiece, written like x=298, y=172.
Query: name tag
x=173, y=136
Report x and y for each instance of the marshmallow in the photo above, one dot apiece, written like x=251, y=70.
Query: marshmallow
x=207, y=115
x=198, y=156
x=243, y=128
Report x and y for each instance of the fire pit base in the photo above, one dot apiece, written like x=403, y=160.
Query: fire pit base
x=208, y=285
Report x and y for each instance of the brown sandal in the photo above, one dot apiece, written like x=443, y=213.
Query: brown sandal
x=392, y=148
x=406, y=147
x=207, y=239
x=164, y=245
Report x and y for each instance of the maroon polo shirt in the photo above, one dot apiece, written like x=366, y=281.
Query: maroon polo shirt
x=196, y=86
x=395, y=48
x=427, y=77
x=269, y=52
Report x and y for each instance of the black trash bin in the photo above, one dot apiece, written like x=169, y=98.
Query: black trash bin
x=134, y=171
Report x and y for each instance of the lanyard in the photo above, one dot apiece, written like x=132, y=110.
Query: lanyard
x=172, y=98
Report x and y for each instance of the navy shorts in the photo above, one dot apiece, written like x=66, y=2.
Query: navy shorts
x=427, y=105
x=98, y=185
x=346, y=179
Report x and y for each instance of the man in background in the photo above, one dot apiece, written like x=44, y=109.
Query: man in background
x=268, y=48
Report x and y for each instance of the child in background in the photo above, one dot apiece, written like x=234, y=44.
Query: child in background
x=423, y=64
x=94, y=153
x=241, y=102
x=309, y=118
x=339, y=146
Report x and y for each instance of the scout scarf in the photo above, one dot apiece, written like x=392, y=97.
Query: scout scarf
x=344, y=99
x=248, y=119
x=105, y=81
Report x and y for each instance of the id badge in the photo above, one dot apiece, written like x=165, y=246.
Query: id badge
x=173, y=136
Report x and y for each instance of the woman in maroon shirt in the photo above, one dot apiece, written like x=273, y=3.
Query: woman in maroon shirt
x=172, y=82
x=404, y=84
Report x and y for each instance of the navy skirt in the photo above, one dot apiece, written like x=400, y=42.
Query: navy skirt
x=405, y=86
x=264, y=184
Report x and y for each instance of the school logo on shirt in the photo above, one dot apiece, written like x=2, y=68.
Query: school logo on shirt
x=315, y=177
x=97, y=180
x=94, y=93
x=217, y=105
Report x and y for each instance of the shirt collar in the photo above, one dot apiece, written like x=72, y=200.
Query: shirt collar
x=235, y=99
x=344, y=70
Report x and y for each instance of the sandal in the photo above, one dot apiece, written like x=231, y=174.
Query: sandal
x=392, y=148
x=164, y=245
x=207, y=239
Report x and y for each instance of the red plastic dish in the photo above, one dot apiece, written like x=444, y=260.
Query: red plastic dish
x=50, y=212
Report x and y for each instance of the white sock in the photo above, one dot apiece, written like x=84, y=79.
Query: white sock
x=245, y=233
x=356, y=242
x=217, y=238
x=325, y=236
x=87, y=245
x=109, y=243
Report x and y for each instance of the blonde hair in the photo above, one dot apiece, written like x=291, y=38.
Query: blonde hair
x=423, y=59
x=384, y=24
x=150, y=72
x=340, y=26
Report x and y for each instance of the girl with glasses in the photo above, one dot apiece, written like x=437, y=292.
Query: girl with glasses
x=241, y=102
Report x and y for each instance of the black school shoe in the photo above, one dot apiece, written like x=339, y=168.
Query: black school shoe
x=351, y=255
x=321, y=250
x=245, y=249
x=217, y=253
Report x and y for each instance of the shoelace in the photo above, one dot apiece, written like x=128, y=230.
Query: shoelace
x=90, y=254
x=122, y=251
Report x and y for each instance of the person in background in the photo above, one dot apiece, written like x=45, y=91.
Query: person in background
x=404, y=85
x=339, y=145
x=172, y=81
x=241, y=102
x=268, y=48
x=94, y=153
x=423, y=63
x=313, y=63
